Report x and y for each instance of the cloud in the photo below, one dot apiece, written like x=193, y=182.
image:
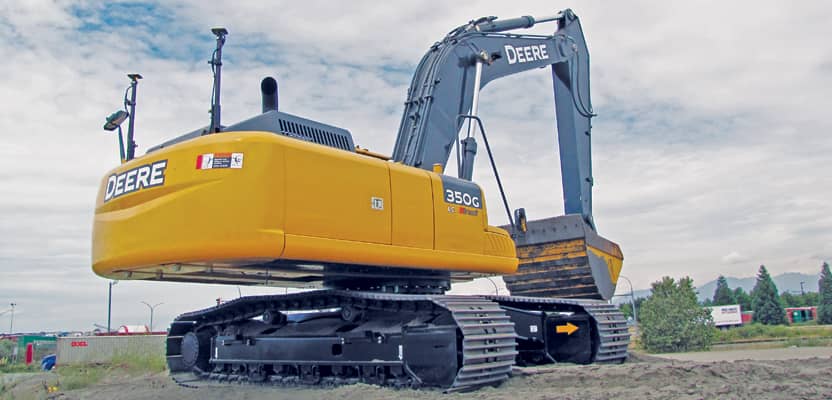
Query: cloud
x=734, y=257
x=710, y=134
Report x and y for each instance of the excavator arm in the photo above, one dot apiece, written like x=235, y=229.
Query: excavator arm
x=561, y=256
x=448, y=80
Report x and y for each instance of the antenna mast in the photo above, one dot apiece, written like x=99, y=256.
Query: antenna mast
x=216, y=66
x=131, y=145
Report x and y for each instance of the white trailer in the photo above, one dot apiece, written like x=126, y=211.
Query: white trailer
x=727, y=316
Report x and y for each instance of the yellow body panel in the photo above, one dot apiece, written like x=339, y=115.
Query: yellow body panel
x=207, y=216
x=328, y=194
x=289, y=204
x=412, y=195
x=456, y=231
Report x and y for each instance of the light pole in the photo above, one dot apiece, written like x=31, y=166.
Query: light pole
x=632, y=299
x=11, y=321
x=496, y=289
x=110, y=305
x=153, y=307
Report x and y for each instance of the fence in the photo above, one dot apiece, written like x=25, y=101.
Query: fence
x=90, y=349
x=27, y=348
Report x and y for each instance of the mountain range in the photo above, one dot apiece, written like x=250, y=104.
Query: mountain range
x=789, y=281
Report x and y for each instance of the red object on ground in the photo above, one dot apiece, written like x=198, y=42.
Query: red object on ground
x=30, y=353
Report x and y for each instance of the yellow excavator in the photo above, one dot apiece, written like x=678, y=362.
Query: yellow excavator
x=281, y=200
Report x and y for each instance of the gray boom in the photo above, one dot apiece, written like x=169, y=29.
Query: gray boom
x=444, y=88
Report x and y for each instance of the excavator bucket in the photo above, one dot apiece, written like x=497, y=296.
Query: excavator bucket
x=563, y=257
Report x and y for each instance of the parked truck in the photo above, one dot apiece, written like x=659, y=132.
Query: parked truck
x=727, y=316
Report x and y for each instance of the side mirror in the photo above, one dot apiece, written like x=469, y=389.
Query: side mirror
x=520, y=220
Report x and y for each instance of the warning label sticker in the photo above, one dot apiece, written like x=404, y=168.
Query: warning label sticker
x=219, y=160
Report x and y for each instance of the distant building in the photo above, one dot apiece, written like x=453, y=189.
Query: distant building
x=133, y=330
x=801, y=314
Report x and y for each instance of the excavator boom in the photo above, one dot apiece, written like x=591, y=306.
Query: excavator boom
x=561, y=256
x=445, y=87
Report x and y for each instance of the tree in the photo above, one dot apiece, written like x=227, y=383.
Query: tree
x=723, y=295
x=6, y=351
x=627, y=308
x=790, y=300
x=742, y=298
x=765, y=301
x=825, y=289
x=672, y=320
x=811, y=299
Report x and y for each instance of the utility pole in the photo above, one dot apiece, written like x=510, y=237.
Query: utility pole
x=802, y=292
x=110, y=305
x=153, y=307
x=11, y=322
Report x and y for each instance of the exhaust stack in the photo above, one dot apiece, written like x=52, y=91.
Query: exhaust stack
x=268, y=89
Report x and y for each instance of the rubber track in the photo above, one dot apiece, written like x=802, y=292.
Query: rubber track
x=488, y=341
x=610, y=323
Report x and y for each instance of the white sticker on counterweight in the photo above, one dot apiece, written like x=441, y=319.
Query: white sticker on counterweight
x=219, y=161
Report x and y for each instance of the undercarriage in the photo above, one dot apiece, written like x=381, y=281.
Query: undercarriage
x=333, y=337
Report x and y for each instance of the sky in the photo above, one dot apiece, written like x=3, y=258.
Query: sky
x=711, y=148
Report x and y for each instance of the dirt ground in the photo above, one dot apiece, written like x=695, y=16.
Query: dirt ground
x=794, y=373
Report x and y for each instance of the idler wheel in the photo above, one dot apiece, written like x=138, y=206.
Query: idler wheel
x=196, y=350
x=274, y=317
x=351, y=314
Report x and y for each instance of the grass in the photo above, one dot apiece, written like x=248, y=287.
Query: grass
x=806, y=334
x=129, y=364
x=138, y=364
x=761, y=332
x=80, y=376
x=18, y=368
x=807, y=342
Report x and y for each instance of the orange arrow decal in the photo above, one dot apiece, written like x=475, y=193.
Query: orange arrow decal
x=568, y=329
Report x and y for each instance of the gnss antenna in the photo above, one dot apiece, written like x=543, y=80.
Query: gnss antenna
x=216, y=67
